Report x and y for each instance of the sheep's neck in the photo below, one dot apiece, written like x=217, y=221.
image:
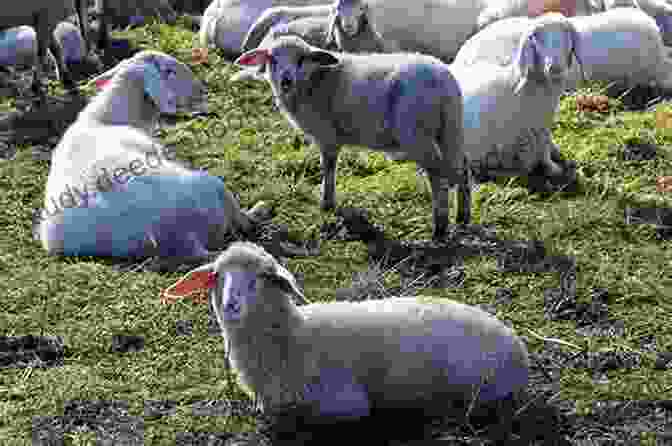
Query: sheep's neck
x=263, y=357
x=124, y=103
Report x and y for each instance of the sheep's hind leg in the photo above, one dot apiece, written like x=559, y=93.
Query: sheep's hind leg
x=440, y=203
x=328, y=161
x=41, y=26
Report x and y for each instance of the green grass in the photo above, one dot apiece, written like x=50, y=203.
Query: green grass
x=253, y=147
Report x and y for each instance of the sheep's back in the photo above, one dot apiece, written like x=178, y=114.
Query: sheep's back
x=620, y=44
x=405, y=351
x=497, y=43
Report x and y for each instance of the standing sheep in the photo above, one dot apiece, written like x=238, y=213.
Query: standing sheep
x=43, y=16
x=345, y=360
x=120, y=194
x=18, y=47
x=406, y=105
x=322, y=32
x=509, y=109
x=226, y=22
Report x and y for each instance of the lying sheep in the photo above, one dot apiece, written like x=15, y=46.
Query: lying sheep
x=502, y=9
x=281, y=15
x=120, y=194
x=322, y=32
x=508, y=109
x=406, y=105
x=622, y=44
x=43, y=16
x=226, y=22
x=18, y=47
x=349, y=27
x=345, y=359
x=660, y=10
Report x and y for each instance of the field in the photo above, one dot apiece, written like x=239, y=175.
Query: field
x=87, y=301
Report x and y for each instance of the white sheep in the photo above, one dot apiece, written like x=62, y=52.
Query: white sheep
x=226, y=22
x=350, y=27
x=322, y=31
x=119, y=192
x=660, y=10
x=501, y=9
x=622, y=44
x=43, y=16
x=279, y=15
x=408, y=106
x=345, y=359
x=509, y=109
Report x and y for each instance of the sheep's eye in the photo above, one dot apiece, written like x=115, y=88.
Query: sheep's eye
x=285, y=83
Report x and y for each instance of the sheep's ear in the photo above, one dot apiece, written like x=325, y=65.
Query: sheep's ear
x=196, y=282
x=331, y=37
x=258, y=56
x=258, y=30
x=576, y=50
x=289, y=282
x=102, y=79
x=321, y=58
x=524, y=61
x=248, y=74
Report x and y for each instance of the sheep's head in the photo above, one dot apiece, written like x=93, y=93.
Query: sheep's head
x=167, y=82
x=242, y=283
x=351, y=15
x=546, y=50
x=289, y=67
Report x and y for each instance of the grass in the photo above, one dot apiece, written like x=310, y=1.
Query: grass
x=262, y=158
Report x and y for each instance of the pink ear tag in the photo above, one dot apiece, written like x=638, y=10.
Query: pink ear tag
x=254, y=57
x=101, y=83
x=195, y=285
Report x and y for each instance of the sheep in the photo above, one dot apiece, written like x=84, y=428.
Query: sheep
x=408, y=106
x=18, y=47
x=120, y=193
x=226, y=22
x=345, y=360
x=622, y=44
x=322, y=32
x=43, y=16
x=506, y=130
x=501, y=9
x=660, y=10
x=281, y=15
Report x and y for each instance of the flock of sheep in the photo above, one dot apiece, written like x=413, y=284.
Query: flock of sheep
x=467, y=89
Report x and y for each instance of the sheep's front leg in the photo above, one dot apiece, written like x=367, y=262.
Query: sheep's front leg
x=41, y=25
x=63, y=71
x=328, y=160
x=464, y=198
